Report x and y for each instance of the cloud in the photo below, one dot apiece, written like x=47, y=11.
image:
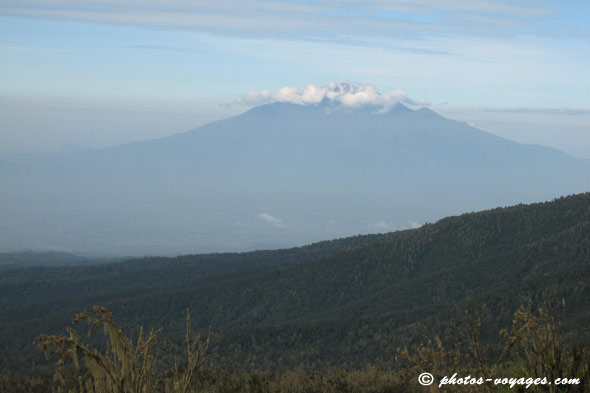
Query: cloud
x=265, y=217
x=543, y=111
x=414, y=224
x=346, y=94
x=324, y=20
x=255, y=98
x=381, y=225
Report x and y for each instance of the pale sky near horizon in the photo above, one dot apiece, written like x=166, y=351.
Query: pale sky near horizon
x=98, y=73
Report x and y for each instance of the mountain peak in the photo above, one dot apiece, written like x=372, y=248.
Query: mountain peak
x=399, y=109
x=426, y=113
x=327, y=107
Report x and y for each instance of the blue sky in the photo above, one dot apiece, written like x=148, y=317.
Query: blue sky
x=97, y=73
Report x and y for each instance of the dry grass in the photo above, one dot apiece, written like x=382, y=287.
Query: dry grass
x=124, y=367
x=532, y=348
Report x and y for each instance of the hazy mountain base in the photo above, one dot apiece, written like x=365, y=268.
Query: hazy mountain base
x=349, y=305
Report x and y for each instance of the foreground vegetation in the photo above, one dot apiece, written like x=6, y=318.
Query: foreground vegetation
x=532, y=349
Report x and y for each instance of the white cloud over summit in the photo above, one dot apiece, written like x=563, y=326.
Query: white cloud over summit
x=346, y=94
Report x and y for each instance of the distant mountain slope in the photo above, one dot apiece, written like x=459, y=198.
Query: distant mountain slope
x=277, y=175
x=28, y=258
x=294, y=138
x=350, y=305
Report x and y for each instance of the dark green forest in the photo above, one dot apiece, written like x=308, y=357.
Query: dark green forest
x=337, y=306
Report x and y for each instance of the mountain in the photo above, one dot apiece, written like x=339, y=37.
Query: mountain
x=347, y=302
x=277, y=175
x=27, y=258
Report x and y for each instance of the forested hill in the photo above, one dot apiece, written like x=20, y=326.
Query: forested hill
x=38, y=284
x=346, y=302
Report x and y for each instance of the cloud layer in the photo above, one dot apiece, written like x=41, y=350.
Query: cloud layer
x=301, y=20
x=346, y=94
